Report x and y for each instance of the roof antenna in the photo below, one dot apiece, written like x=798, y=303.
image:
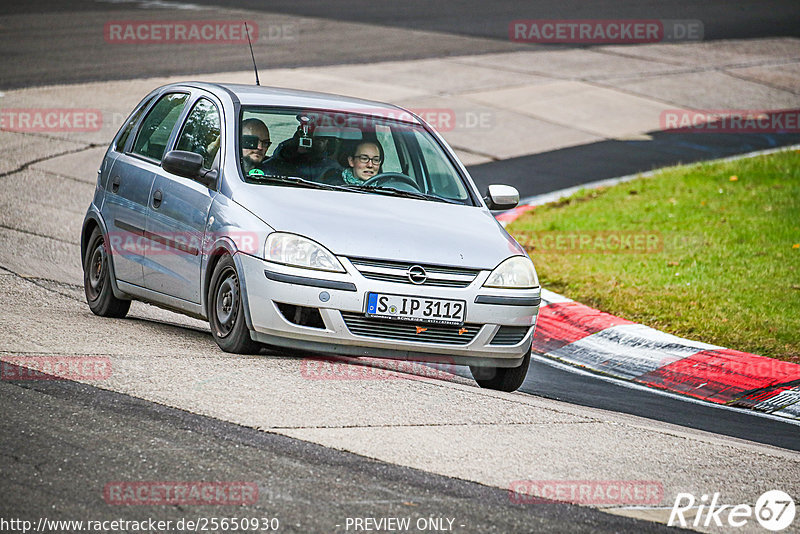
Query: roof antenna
x=251, y=51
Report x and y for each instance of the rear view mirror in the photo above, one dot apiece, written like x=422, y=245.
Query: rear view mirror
x=501, y=197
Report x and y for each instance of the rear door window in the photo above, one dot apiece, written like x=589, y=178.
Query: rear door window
x=201, y=132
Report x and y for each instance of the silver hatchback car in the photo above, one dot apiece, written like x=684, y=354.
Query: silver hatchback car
x=311, y=222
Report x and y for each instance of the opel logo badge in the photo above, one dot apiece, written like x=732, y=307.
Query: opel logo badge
x=416, y=274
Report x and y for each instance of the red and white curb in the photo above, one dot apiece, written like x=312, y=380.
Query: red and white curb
x=572, y=333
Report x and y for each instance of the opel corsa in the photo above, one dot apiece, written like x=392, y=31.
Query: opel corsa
x=311, y=222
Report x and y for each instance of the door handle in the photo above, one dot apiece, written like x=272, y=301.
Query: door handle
x=157, y=198
x=115, y=181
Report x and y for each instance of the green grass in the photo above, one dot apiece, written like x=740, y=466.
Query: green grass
x=728, y=268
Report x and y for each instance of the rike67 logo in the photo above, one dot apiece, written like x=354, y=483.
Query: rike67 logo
x=774, y=511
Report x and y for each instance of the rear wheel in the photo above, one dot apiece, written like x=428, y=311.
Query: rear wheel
x=226, y=310
x=97, y=280
x=502, y=378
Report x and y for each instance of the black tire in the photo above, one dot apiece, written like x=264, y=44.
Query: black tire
x=226, y=310
x=97, y=280
x=502, y=378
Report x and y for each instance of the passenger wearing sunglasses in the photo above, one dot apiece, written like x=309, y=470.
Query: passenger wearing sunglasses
x=255, y=142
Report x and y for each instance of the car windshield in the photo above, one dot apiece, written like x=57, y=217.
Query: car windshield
x=347, y=152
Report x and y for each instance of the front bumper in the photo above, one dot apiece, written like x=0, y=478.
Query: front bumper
x=340, y=299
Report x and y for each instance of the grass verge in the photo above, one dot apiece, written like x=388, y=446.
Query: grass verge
x=708, y=251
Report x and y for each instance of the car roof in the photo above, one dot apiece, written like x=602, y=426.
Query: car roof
x=260, y=95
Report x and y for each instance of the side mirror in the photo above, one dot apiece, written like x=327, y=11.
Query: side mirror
x=501, y=197
x=188, y=165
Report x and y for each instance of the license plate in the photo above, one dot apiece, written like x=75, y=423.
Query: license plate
x=407, y=308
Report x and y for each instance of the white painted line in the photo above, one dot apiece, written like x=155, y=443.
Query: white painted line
x=158, y=4
x=553, y=298
x=628, y=351
x=788, y=401
x=634, y=385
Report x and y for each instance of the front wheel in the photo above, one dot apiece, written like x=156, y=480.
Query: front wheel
x=97, y=280
x=226, y=310
x=502, y=378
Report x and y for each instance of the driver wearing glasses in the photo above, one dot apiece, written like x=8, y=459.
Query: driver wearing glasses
x=364, y=163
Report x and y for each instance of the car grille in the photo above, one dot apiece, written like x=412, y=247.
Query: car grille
x=445, y=334
x=509, y=335
x=394, y=271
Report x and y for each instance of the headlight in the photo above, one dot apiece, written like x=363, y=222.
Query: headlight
x=299, y=251
x=516, y=272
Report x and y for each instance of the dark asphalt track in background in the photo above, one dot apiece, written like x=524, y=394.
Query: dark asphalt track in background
x=567, y=167
x=722, y=19
x=52, y=42
x=62, y=442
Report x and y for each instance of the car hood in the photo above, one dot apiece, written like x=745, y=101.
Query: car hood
x=384, y=227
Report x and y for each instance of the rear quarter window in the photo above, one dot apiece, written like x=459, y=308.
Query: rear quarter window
x=119, y=144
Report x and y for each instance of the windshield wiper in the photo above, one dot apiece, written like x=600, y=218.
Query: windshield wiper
x=302, y=182
x=408, y=194
x=291, y=180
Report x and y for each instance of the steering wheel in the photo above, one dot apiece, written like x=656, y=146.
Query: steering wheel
x=388, y=177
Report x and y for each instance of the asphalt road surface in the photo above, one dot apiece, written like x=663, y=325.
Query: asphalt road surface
x=63, y=441
x=53, y=42
x=721, y=19
x=559, y=169
x=555, y=382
